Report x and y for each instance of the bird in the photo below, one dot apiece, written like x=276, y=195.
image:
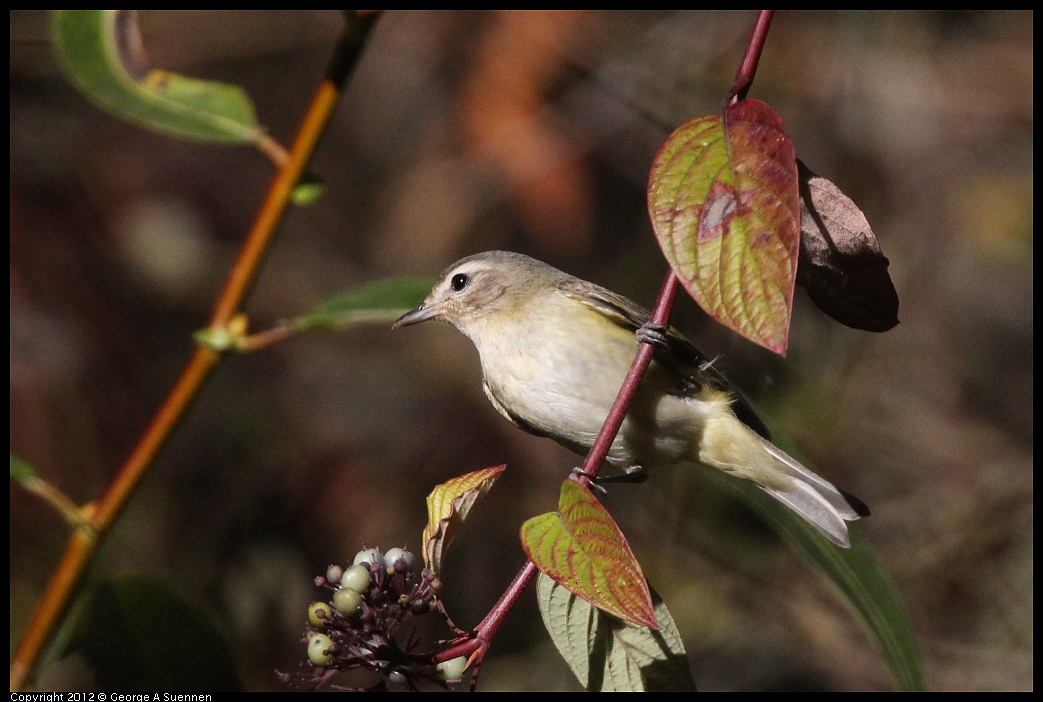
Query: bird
x=554, y=350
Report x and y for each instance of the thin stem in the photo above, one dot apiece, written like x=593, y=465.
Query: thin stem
x=748, y=66
x=491, y=624
x=616, y=415
x=71, y=512
x=83, y=543
x=484, y=632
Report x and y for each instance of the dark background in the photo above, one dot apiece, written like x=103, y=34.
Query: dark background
x=467, y=131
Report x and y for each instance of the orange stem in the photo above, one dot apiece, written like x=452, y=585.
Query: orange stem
x=83, y=544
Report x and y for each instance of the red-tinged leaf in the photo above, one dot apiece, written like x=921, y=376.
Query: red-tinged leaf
x=448, y=506
x=580, y=547
x=725, y=207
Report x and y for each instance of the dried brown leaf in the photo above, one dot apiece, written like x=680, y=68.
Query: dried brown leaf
x=841, y=264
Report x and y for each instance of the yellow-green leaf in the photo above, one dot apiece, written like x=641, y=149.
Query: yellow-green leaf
x=609, y=655
x=100, y=51
x=581, y=547
x=308, y=192
x=22, y=471
x=448, y=506
x=724, y=204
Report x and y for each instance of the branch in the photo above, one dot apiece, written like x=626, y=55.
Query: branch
x=748, y=67
x=483, y=634
x=84, y=543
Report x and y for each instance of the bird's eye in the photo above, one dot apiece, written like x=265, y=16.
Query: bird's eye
x=459, y=282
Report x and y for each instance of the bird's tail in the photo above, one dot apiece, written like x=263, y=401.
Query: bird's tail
x=734, y=448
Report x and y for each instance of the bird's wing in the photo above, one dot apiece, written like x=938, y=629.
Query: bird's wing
x=692, y=368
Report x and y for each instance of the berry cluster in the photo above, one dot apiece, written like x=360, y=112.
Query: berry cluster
x=356, y=628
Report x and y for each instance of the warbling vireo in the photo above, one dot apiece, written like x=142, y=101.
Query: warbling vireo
x=554, y=351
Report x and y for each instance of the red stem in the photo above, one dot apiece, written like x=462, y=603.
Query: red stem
x=660, y=317
x=748, y=67
x=486, y=630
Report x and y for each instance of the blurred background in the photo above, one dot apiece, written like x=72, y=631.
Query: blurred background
x=534, y=132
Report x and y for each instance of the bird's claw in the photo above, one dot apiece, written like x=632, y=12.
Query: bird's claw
x=654, y=334
x=592, y=480
x=633, y=476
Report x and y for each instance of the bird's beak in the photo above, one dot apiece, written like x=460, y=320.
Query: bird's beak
x=421, y=314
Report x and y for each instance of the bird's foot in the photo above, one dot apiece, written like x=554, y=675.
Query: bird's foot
x=592, y=480
x=654, y=334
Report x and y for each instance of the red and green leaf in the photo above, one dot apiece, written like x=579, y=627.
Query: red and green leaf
x=580, y=547
x=725, y=207
x=448, y=506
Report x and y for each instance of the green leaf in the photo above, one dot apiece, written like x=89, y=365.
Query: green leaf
x=448, y=506
x=137, y=635
x=609, y=655
x=582, y=548
x=100, y=51
x=309, y=192
x=378, y=301
x=22, y=472
x=725, y=208
x=855, y=571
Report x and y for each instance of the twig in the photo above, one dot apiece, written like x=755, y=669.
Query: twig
x=84, y=543
x=483, y=634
